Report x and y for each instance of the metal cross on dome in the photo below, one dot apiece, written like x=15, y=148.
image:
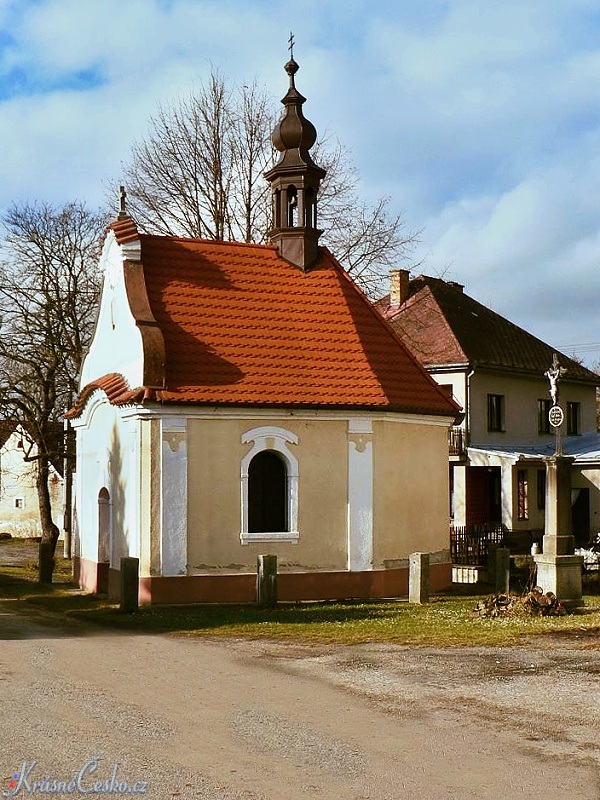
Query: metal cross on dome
x=291, y=45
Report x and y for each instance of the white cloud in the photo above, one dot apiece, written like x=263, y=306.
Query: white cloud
x=480, y=120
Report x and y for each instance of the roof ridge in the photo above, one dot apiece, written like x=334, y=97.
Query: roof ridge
x=447, y=286
x=200, y=240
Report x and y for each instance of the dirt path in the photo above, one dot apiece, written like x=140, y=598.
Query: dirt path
x=235, y=719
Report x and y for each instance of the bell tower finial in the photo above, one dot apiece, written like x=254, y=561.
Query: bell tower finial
x=295, y=179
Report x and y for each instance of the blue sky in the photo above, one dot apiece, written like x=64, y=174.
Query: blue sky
x=480, y=120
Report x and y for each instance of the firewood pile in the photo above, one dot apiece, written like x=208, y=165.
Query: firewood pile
x=535, y=603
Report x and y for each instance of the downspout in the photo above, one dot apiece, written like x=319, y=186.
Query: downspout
x=468, y=414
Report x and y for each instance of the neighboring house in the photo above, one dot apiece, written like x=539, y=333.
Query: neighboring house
x=19, y=510
x=226, y=412
x=495, y=371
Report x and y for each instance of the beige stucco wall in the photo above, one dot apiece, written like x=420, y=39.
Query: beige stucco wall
x=215, y=451
x=521, y=395
x=411, y=500
x=380, y=482
x=409, y=482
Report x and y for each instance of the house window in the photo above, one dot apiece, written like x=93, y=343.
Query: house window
x=267, y=493
x=522, y=500
x=573, y=413
x=543, y=416
x=495, y=412
x=541, y=488
x=19, y=502
x=269, y=473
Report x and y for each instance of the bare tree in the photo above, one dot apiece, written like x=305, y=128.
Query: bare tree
x=49, y=289
x=199, y=172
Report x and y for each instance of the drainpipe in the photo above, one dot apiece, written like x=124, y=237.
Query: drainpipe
x=468, y=414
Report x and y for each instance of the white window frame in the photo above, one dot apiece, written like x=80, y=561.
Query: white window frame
x=19, y=503
x=275, y=439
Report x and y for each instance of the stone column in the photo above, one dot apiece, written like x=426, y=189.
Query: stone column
x=558, y=569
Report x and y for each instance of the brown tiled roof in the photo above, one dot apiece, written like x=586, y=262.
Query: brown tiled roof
x=242, y=326
x=125, y=230
x=116, y=389
x=442, y=325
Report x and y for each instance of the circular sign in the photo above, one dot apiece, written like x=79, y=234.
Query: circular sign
x=556, y=416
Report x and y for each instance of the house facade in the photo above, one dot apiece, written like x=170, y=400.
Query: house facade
x=496, y=372
x=19, y=509
x=225, y=413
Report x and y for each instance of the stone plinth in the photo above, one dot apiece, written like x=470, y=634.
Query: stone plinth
x=558, y=569
x=561, y=574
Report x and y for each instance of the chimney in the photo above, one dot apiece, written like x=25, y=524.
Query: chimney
x=455, y=285
x=398, y=287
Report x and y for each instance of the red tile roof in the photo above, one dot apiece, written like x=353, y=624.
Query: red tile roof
x=242, y=326
x=442, y=325
x=115, y=388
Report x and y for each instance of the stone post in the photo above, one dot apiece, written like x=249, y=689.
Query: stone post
x=266, y=581
x=130, y=570
x=502, y=570
x=418, y=578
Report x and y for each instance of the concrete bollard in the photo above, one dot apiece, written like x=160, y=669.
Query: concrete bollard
x=266, y=581
x=130, y=571
x=502, y=570
x=418, y=578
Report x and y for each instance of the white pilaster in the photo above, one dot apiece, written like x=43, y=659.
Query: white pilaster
x=360, y=494
x=174, y=497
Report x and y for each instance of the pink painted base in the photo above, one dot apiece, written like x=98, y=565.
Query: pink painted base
x=241, y=588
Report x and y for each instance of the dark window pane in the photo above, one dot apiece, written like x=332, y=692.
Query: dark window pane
x=267, y=493
x=495, y=412
x=543, y=418
x=572, y=419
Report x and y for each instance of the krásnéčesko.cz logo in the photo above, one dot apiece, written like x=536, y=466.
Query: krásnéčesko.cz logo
x=84, y=781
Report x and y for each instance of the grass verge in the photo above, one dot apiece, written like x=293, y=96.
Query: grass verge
x=444, y=622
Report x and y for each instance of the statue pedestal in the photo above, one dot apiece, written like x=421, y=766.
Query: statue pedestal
x=561, y=574
x=558, y=569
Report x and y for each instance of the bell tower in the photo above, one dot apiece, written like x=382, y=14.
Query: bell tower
x=295, y=180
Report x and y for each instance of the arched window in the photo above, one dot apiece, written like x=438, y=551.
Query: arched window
x=269, y=473
x=103, y=526
x=292, y=207
x=310, y=209
x=267, y=493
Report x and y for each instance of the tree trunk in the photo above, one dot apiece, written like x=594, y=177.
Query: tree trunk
x=50, y=531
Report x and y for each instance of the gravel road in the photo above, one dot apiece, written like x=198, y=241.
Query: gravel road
x=193, y=718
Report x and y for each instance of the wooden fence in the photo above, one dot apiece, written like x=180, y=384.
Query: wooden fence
x=470, y=544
